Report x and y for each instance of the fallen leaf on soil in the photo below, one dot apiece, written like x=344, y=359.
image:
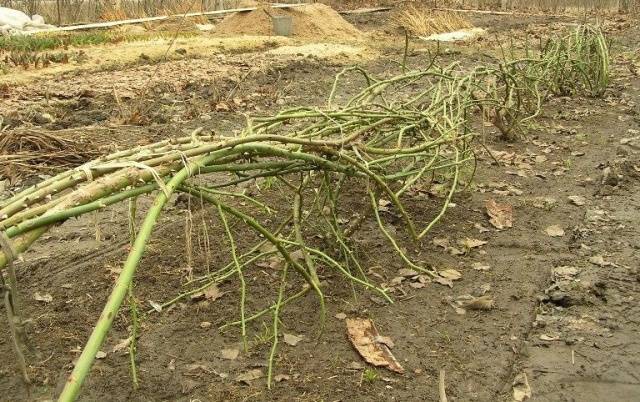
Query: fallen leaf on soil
x=459, y=310
x=521, y=388
x=205, y=324
x=196, y=368
x=577, y=200
x=478, y=266
x=45, y=298
x=366, y=339
x=451, y=274
x=565, y=272
x=479, y=303
x=341, y=316
x=189, y=385
x=469, y=243
x=500, y=215
x=249, y=376
x=123, y=344
x=297, y=256
x=267, y=248
x=407, y=272
x=540, y=159
x=291, y=340
x=281, y=377
x=484, y=288
x=443, y=281
x=101, y=355
x=397, y=280
x=545, y=337
x=212, y=293
x=156, y=306
x=385, y=340
x=383, y=205
x=481, y=228
x=544, y=202
x=599, y=261
x=229, y=354
x=442, y=242
x=555, y=231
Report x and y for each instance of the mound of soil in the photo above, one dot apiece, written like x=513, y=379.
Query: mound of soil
x=313, y=21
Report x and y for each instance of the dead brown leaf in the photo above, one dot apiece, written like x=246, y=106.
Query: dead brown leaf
x=469, y=243
x=479, y=303
x=441, y=242
x=292, y=340
x=521, y=388
x=122, y=345
x=478, y=266
x=500, y=215
x=481, y=228
x=229, y=354
x=599, y=261
x=405, y=272
x=443, y=281
x=45, y=297
x=249, y=376
x=371, y=346
x=577, y=200
x=383, y=205
x=212, y=293
x=451, y=274
x=156, y=306
x=555, y=231
x=281, y=377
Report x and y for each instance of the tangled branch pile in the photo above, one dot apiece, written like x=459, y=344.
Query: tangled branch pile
x=394, y=134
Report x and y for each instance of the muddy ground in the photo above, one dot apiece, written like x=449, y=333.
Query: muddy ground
x=566, y=309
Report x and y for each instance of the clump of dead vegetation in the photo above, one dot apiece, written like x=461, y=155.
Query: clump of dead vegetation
x=422, y=21
x=27, y=152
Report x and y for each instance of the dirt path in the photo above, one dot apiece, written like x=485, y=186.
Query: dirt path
x=584, y=342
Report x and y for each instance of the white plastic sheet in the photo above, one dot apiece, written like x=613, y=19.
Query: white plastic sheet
x=16, y=22
x=455, y=36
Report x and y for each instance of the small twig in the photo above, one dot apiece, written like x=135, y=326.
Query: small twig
x=406, y=50
x=11, y=306
x=243, y=286
x=276, y=320
x=441, y=387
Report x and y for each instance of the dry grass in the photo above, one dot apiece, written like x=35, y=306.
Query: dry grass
x=115, y=14
x=28, y=152
x=423, y=21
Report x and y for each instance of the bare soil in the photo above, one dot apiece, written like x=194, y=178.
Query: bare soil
x=313, y=21
x=566, y=308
